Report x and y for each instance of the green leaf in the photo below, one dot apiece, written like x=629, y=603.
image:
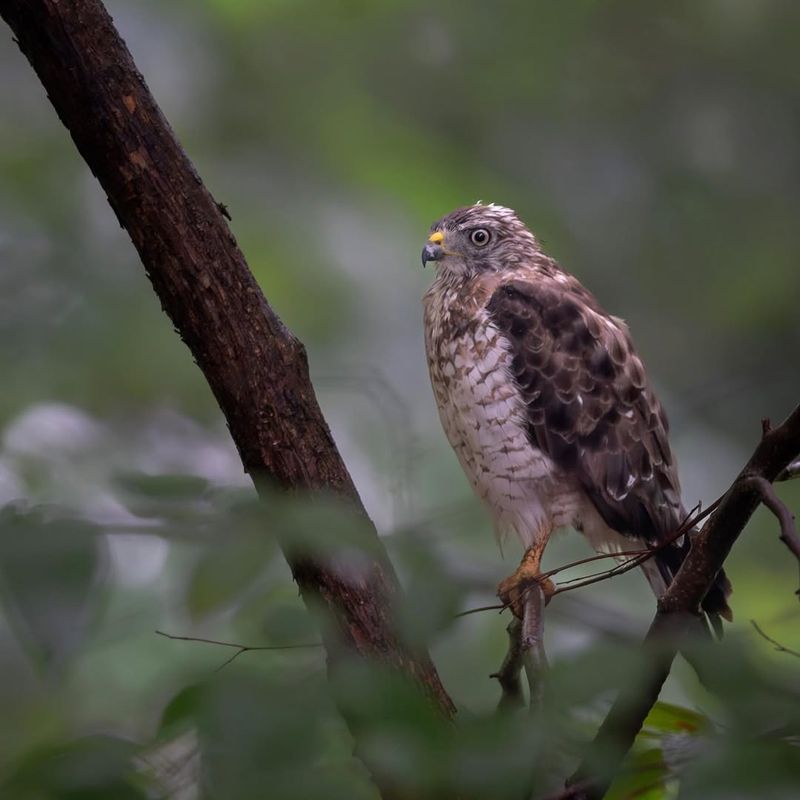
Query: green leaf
x=175, y=496
x=225, y=572
x=92, y=768
x=670, y=718
x=180, y=713
x=644, y=777
x=51, y=578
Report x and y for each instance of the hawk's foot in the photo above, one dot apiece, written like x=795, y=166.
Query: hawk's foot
x=513, y=590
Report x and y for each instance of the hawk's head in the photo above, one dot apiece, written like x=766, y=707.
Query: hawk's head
x=479, y=238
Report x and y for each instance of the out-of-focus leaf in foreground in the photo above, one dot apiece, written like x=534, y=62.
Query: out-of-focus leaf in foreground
x=92, y=768
x=51, y=577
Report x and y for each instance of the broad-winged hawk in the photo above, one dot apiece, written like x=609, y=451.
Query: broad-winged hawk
x=545, y=401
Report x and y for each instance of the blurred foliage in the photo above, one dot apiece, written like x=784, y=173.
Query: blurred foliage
x=654, y=150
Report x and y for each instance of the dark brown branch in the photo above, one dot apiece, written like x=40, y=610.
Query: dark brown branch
x=525, y=650
x=511, y=696
x=678, y=607
x=532, y=649
x=776, y=644
x=255, y=367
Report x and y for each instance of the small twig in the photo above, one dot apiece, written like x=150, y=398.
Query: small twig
x=776, y=644
x=633, y=559
x=597, y=577
x=240, y=648
x=691, y=520
x=496, y=607
x=770, y=499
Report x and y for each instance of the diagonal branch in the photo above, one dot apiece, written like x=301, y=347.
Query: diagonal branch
x=678, y=608
x=255, y=367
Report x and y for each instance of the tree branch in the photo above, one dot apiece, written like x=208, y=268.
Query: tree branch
x=511, y=696
x=785, y=517
x=770, y=499
x=678, y=607
x=255, y=367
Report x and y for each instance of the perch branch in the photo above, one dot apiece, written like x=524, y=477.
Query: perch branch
x=511, y=696
x=525, y=651
x=255, y=367
x=532, y=646
x=677, y=608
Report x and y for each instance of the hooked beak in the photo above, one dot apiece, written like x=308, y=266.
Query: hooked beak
x=433, y=251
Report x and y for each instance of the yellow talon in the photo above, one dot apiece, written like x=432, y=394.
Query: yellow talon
x=512, y=590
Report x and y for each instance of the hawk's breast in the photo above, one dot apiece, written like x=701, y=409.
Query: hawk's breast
x=483, y=415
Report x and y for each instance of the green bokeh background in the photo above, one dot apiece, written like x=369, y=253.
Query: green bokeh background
x=653, y=149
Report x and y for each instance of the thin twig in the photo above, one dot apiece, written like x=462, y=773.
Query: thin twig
x=633, y=559
x=636, y=557
x=770, y=499
x=496, y=607
x=776, y=644
x=240, y=648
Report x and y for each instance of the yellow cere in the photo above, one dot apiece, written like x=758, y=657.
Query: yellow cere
x=436, y=238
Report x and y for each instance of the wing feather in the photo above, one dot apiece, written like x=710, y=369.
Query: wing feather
x=589, y=404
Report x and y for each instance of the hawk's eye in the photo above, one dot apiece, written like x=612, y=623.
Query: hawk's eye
x=480, y=236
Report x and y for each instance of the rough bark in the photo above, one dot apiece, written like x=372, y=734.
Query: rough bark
x=678, y=608
x=255, y=367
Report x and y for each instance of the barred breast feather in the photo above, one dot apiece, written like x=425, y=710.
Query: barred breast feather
x=485, y=417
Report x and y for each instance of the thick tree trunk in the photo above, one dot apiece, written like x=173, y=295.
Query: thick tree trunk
x=255, y=367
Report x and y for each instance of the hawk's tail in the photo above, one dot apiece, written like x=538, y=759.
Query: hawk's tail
x=667, y=562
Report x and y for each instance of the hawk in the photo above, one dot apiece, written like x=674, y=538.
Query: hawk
x=546, y=403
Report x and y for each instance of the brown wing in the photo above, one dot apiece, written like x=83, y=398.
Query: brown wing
x=590, y=406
